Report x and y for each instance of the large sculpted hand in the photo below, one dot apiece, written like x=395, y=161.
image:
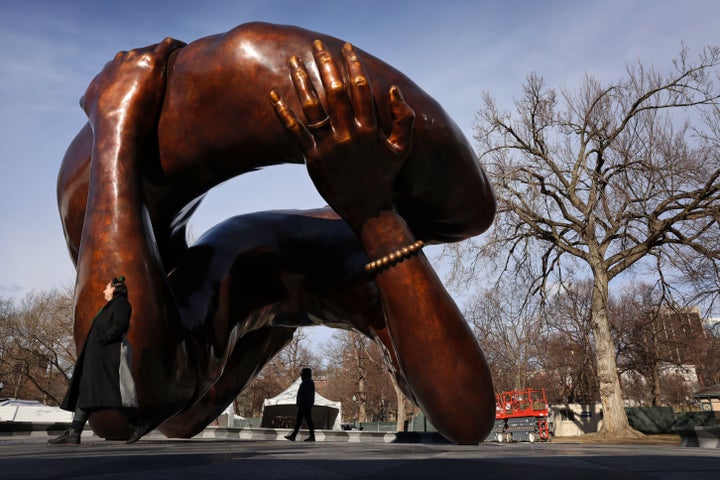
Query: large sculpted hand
x=351, y=161
x=131, y=85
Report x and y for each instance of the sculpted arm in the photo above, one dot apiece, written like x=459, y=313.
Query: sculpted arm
x=122, y=104
x=353, y=165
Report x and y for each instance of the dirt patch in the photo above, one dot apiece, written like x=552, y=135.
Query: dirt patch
x=661, y=439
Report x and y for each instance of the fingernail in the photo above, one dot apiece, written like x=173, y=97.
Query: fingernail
x=348, y=47
x=318, y=46
x=294, y=62
x=274, y=96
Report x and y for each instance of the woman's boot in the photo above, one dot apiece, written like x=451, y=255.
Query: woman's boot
x=71, y=436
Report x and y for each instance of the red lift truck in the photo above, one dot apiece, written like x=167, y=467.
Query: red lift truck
x=522, y=415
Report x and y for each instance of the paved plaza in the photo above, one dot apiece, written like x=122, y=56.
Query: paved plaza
x=32, y=458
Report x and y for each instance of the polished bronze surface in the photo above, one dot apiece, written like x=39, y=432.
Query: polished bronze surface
x=170, y=121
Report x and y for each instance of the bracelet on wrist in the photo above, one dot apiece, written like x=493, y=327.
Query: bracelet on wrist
x=392, y=259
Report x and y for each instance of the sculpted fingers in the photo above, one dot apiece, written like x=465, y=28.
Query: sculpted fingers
x=400, y=139
x=306, y=93
x=359, y=87
x=339, y=107
x=349, y=106
x=291, y=123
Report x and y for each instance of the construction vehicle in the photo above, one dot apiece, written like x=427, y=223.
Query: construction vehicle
x=522, y=415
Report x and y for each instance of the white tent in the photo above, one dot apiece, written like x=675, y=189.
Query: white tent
x=14, y=410
x=280, y=411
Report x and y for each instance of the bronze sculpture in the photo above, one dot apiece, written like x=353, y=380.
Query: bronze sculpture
x=170, y=121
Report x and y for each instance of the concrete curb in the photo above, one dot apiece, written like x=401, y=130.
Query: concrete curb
x=48, y=430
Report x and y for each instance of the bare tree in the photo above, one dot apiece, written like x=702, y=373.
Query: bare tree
x=278, y=375
x=358, y=376
x=610, y=178
x=509, y=330
x=711, y=366
x=653, y=336
x=569, y=372
x=569, y=358
x=37, y=351
x=404, y=405
x=676, y=391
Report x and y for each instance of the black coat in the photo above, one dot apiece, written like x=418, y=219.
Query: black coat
x=306, y=393
x=96, y=380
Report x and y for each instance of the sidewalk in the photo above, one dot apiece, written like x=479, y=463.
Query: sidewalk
x=154, y=458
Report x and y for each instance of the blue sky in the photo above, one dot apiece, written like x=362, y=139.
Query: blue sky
x=455, y=50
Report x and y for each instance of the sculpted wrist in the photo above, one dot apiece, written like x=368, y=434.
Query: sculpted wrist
x=395, y=257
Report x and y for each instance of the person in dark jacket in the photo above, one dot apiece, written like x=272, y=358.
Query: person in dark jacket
x=102, y=377
x=305, y=401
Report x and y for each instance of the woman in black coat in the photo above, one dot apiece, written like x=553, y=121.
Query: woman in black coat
x=102, y=377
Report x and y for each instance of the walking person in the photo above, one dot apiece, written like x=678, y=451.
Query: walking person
x=102, y=378
x=305, y=402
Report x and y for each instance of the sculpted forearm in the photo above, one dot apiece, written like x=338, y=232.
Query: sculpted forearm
x=435, y=348
x=117, y=237
x=354, y=164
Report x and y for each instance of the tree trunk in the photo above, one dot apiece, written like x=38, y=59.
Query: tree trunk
x=401, y=411
x=362, y=410
x=615, y=422
x=362, y=398
x=655, y=370
x=656, y=385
